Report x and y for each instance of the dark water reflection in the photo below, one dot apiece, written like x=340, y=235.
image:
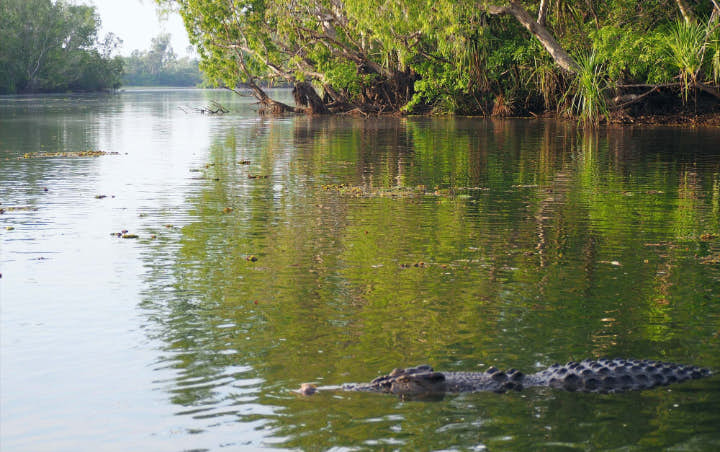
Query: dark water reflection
x=333, y=249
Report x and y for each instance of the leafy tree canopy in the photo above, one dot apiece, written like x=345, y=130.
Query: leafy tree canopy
x=490, y=56
x=52, y=46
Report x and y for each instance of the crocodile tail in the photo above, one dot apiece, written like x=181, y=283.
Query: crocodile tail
x=615, y=375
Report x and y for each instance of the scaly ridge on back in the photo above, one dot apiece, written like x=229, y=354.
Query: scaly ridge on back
x=614, y=375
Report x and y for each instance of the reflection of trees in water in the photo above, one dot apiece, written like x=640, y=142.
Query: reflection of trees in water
x=523, y=246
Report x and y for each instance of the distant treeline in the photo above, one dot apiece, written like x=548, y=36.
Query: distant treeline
x=50, y=46
x=159, y=66
x=53, y=47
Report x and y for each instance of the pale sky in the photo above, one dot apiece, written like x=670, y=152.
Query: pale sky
x=137, y=22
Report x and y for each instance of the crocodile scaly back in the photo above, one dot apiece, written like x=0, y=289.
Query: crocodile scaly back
x=614, y=375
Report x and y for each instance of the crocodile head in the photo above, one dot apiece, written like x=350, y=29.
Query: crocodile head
x=413, y=381
x=422, y=383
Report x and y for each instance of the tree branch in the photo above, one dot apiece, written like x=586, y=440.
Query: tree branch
x=561, y=57
x=542, y=12
x=686, y=12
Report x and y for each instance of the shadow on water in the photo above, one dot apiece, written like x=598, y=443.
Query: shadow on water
x=334, y=249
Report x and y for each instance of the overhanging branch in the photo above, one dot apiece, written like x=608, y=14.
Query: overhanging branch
x=515, y=9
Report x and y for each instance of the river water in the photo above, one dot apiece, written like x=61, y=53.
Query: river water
x=276, y=251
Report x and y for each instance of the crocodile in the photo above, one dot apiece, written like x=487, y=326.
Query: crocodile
x=601, y=375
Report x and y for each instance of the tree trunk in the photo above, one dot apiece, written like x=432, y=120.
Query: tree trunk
x=561, y=57
x=306, y=96
x=270, y=104
x=686, y=12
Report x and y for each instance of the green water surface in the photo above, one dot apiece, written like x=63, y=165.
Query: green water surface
x=277, y=251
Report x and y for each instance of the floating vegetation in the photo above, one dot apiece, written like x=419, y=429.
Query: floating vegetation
x=398, y=192
x=709, y=236
x=18, y=209
x=712, y=259
x=67, y=154
x=124, y=234
x=258, y=176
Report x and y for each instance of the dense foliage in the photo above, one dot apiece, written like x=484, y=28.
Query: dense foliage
x=488, y=57
x=52, y=46
x=159, y=66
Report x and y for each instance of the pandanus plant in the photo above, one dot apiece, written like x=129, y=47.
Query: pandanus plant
x=694, y=49
x=586, y=96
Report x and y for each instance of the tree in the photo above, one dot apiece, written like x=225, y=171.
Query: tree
x=48, y=46
x=159, y=66
x=538, y=30
x=462, y=56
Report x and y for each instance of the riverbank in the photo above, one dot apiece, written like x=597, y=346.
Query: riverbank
x=680, y=120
